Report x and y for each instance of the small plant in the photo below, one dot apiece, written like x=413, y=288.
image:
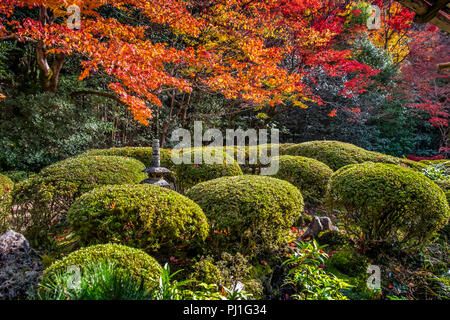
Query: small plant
x=436, y=172
x=308, y=277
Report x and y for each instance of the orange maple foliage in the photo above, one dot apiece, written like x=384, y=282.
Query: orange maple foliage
x=253, y=51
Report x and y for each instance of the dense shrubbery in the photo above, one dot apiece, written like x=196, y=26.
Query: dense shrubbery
x=128, y=261
x=189, y=175
x=381, y=203
x=339, y=154
x=6, y=185
x=40, y=203
x=444, y=185
x=142, y=216
x=88, y=172
x=246, y=212
x=143, y=154
x=308, y=175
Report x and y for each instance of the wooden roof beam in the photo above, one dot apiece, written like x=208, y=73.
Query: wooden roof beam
x=436, y=13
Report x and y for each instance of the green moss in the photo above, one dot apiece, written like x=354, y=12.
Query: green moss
x=142, y=216
x=189, y=175
x=131, y=261
x=88, y=172
x=383, y=203
x=337, y=154
x=308, y=175
x=247, y=212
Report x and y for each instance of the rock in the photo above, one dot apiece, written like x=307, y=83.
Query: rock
x=318, y=224
x=20, y=267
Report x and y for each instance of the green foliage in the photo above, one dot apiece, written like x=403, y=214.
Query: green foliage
x=88, y=172
x=205, y=271
x=307, y=276
x=127, y=261
x=142, y=216
x=349, y=262
x=189, y=175
x=17, y=176
x=6, y=184
x=39, y=129
x=246, y=212
x=435, y=172
x=333, y=239
x=383, y=203
x=143, y=154
x=339, y=154
x=308, y=175
x=102, y=280
x=41, y=202
x=445, y=186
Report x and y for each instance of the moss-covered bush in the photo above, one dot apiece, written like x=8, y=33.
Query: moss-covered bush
x=189, y=175
x=248, y=212
x=130, y=261
x=337, y=154
x=308, y=175
x=141, y=216
x=41, y=202
x=387, y=203
x=445, y=186
x=143, y=154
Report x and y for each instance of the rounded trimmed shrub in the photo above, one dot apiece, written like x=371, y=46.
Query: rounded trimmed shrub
x=89, y=172
x=251, y=162
x=130, y=261
x=333, y=239
x=246, y=212
x=41, y=202
x=142, y=154
x=141, y=216
x=189, y=175
x=335, y=154
x=381, y=203
x=338, y=154
x=310, y=176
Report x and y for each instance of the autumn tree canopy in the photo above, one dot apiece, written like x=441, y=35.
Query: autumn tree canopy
x=257, y=52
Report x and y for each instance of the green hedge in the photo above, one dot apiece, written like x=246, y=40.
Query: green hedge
x=310, y=176
x=143, y=154
x=142, y=216
x=248, y=212
x=89, y=172
x=41, y=202
x=131, y=261
x=189, y=175
x=337, y=154
x=381, y=203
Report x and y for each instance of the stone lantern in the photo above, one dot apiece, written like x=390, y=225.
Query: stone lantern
x=156, y=172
